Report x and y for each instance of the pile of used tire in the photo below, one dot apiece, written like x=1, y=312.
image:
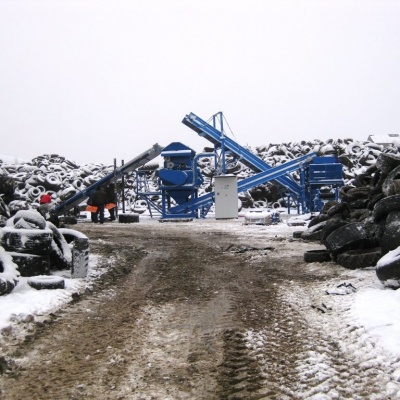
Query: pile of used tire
x=30, y=246
x=22, y=184
x=363, y=230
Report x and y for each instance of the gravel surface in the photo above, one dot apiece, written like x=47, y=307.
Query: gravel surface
x=203, y=310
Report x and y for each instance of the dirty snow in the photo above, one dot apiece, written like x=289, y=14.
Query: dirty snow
x=371, y=307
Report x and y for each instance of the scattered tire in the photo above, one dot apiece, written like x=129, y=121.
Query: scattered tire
x=361, y=258
x=46, y=282
x=317, y=256
x=128, y=218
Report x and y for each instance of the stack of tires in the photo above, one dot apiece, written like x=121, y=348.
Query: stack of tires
x=364, y=229
x=35, y=245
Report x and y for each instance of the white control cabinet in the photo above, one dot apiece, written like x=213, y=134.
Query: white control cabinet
x=226, y=197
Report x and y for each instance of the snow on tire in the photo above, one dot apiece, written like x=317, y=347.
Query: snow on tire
x=9, y=273
x=60, y=254
x=390, y=239
x=32, y=218
x=388, y=268
x=31, y=264
x=31, y=241
x=46, y=282
x=71, y=234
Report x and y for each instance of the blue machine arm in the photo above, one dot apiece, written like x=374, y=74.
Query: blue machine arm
x=135, y=163
x=246, y=157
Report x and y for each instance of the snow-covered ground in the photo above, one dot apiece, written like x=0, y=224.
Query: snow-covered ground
x=371, y=305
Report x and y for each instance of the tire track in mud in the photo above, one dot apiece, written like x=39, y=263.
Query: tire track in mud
x=184, y=319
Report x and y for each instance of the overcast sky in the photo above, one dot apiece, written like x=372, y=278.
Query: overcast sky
x=98, y=80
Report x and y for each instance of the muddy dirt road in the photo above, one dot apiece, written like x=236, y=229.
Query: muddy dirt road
x=198, y=311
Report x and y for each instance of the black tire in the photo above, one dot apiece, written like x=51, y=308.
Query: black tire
x=35, y=242
x=317, y=256
x=360, y=214
x=46, y=282
x=340, y=208
x=385, y=206
x=331, y=226
x=128, y=218
x=374, y=199
x=391, y=235
x=356, y=259
x=393, y=176
x=352, y=236
x=314, y=233
x=31, y=264
x=386, y=162
x=317, y=219
x=297, y=234
x=359, y=192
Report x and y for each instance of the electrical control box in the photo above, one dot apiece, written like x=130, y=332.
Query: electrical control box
x=226, y=197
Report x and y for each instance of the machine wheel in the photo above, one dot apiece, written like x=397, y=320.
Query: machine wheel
x=317, y=256
x=46, y=282
x=128, y=218
x=297, y=234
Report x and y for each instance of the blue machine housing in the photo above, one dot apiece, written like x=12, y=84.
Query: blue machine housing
x=179, y=180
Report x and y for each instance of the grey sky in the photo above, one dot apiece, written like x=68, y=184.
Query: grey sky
x=98, y=80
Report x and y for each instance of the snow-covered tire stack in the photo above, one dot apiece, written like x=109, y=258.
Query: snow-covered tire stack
x=35, y=244
x=9, y=274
